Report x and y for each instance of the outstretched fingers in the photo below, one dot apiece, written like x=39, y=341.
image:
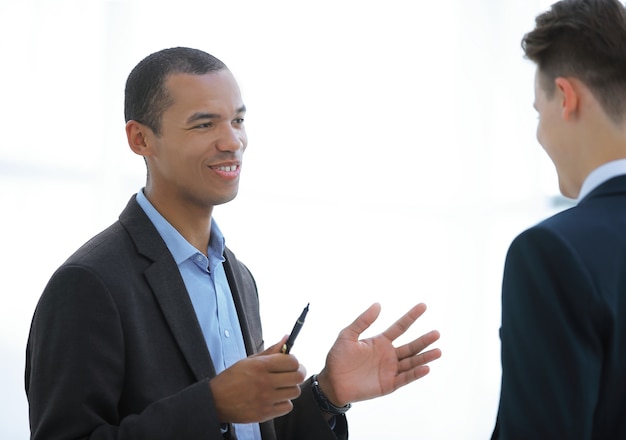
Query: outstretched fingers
x=414, y=367
x=402, y=325
x=417, y=360
x=412, y=375
x=418, y=345
x=362, y=323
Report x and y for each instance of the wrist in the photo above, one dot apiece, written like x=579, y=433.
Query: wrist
x=321, y=391
x=328, y=389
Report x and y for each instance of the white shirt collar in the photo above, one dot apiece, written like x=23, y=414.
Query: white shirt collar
x=600, y=175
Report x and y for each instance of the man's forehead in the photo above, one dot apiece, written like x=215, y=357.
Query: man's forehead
x=212, y=87
x=215, y=79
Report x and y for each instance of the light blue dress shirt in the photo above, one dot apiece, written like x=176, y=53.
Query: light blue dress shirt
x=210, y=295
x=601, y=174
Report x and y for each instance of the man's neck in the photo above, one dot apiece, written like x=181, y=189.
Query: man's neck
x=191, y=221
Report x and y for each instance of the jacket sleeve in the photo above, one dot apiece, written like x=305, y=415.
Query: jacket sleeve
x=75, y=372
x=551, y=341
x=306, y=421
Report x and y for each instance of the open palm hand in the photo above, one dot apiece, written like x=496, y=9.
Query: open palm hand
x=358, y=370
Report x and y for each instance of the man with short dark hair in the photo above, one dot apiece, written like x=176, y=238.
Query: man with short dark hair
x=563, y=327
x=151, y=330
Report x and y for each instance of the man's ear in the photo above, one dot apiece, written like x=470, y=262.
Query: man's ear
x=569, y=96
x=137, y=135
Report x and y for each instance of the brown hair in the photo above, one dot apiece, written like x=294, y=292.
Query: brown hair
x=584, y=39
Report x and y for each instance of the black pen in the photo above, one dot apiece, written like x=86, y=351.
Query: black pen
x=296, y=329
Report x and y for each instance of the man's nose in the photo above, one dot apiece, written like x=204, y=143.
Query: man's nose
x=231, y=139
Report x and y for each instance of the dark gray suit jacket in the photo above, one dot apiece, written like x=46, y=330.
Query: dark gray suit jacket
x=116, y=352
x=564, y=324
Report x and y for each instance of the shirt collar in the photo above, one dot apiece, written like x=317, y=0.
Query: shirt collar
x=179, y=247
x=600, y=175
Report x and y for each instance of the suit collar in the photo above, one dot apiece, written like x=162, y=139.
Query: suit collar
x=601, y=174
x=241, y=304
x=168, y=287
x=613, y=186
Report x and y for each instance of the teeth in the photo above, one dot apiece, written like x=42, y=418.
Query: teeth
x=228, y=169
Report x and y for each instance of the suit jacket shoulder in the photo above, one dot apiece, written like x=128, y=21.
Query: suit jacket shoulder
x=564, y=323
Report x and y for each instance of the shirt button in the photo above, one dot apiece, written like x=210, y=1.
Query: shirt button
x=227, y=333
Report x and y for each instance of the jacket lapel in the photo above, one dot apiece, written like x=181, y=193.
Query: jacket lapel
x=168, y=287
x=243, y=290
x=170, y=292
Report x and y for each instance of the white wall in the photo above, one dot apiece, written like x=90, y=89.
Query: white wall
x=392, y=158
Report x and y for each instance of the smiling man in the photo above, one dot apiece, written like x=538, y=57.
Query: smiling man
x=564, y=287
x=151, y=330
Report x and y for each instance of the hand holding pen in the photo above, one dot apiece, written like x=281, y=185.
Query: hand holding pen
x=294, y=332
x=271, y=378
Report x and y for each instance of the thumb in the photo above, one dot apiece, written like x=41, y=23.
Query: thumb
x=362, y=323
x=274, y=349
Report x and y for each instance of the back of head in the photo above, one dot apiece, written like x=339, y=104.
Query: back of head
x=146, y=97
x=584, y=39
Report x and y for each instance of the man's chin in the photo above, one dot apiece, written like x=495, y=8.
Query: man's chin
x=225, y=199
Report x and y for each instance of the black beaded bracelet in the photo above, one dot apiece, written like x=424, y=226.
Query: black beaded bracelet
x=323, y=402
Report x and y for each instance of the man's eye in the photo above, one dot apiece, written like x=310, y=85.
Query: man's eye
x=205, y=125
x=238, y=121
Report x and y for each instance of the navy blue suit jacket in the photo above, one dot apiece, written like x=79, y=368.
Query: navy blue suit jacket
x=563, y=327
x=116, y=352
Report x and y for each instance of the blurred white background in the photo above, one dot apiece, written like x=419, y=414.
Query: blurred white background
x=392, y=158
